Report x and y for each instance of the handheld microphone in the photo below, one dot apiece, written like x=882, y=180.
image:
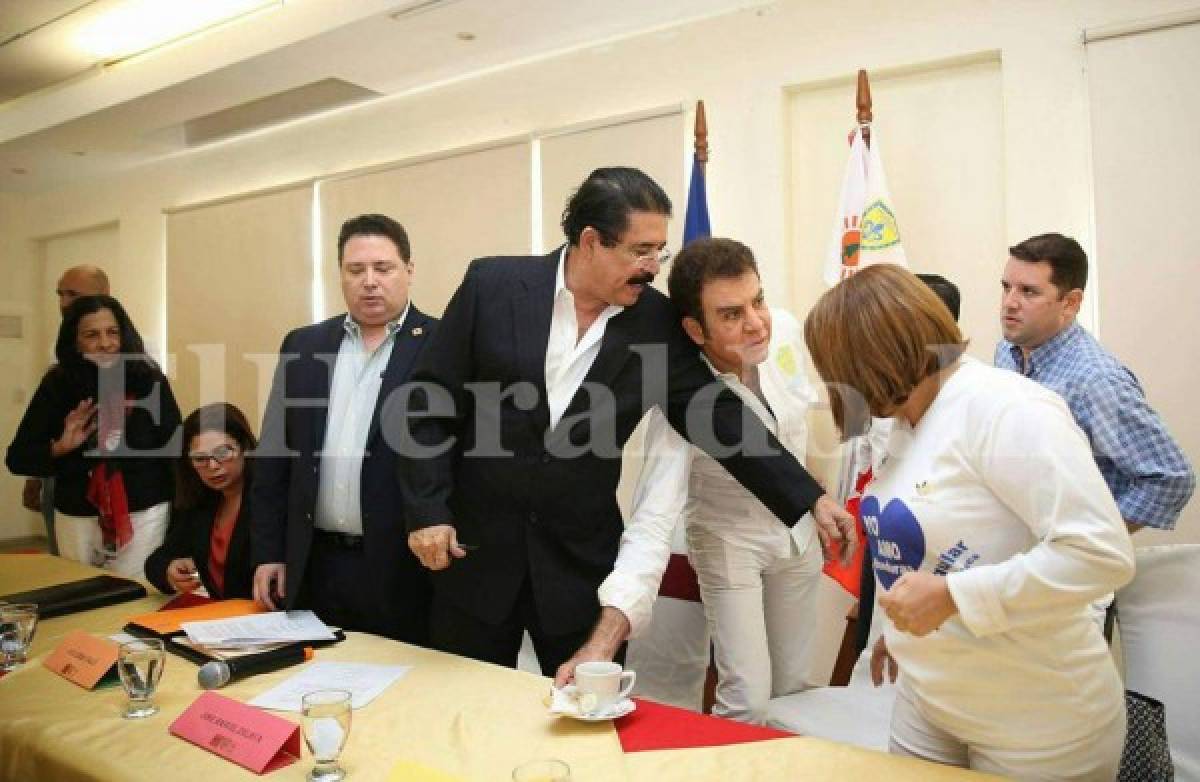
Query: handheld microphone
x=218, y=673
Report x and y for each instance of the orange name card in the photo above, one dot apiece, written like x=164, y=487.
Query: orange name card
x=250, y=737
x=167, y=622
x=83, y=659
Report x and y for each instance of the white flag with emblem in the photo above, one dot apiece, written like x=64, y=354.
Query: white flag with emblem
x=865, y=230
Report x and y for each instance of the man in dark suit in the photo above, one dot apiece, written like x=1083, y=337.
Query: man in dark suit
x=539, y=373
x=328, y=523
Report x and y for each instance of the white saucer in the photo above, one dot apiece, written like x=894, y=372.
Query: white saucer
x=618, y=709
x=565, y=703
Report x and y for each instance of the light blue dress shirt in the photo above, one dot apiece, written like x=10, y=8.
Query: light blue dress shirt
x=357, y=376
x=1144, y=467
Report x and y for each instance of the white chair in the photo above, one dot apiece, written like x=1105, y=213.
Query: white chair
x=859, y=713
x=671, y=655
x=1159, y=616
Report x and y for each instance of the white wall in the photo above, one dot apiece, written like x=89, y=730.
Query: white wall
x=739, y=64
x=1148, y=247
x=21, y=273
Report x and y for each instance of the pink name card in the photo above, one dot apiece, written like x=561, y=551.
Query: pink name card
x=250, y=737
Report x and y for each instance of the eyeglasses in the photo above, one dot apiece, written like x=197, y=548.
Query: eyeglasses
x=645, y=255
x=220, y=454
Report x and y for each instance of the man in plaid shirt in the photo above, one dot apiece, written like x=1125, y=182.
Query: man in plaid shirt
x=1142, y=464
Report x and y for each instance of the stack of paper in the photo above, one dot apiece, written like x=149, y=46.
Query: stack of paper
x=364, y=682
x=259, y=629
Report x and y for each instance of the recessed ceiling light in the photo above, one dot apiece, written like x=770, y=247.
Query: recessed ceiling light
x=135, y=26
x=465, y=36
x=19, y=170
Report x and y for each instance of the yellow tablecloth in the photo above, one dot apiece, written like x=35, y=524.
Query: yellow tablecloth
x=467, y=718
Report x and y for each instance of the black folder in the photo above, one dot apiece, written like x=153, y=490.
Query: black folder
x=76, y=596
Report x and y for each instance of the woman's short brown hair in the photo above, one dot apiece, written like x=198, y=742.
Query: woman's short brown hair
x=873, y=337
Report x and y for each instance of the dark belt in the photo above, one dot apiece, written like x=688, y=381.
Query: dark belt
x=339, y=539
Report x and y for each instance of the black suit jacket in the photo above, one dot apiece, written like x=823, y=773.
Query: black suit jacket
x=544, y=508
x=189, y=535
x=284, y=490
x=148, y=479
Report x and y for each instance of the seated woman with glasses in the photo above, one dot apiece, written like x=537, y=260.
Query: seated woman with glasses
x=100, y=424
x=208, y=542
x=991, y=532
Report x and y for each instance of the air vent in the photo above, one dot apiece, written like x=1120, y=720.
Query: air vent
x=273, y=109
x=10, y=327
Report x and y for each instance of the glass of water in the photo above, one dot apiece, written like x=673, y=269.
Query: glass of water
x=140, y=664
x=326, y=724
x=18, y=621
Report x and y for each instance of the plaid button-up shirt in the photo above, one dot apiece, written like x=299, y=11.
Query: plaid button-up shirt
x=1142, y=464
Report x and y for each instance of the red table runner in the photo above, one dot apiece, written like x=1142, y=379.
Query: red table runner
x=658, y=726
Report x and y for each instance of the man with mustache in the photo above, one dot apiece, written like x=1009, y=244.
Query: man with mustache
x=539, y=373
x=758, y=579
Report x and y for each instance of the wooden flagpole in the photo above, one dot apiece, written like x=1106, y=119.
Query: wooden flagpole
x=862, y=104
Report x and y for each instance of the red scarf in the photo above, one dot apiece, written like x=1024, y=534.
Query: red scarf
x=106, y=490
x=106, y=486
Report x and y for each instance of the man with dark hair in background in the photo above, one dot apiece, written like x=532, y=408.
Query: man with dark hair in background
x=946, y=291
x=1144, y=467
x=540, y=372
x=83, y=280
x=327, y=515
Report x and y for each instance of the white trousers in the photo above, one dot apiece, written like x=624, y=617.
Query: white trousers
x=761, y=614
x=80, y=539
x=1094, y=758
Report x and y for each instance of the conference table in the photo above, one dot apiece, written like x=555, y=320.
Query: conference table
x=462, y=718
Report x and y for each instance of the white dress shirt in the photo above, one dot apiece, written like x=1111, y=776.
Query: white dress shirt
x=568, y=357
x=357, y=376
x=679, y=480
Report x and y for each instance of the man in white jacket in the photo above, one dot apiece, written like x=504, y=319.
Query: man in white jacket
x=758, y=579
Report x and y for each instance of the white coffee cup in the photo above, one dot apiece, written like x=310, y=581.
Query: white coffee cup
x=607, y=681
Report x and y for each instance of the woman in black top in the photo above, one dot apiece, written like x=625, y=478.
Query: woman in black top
x=208, y=543
x=101, y=423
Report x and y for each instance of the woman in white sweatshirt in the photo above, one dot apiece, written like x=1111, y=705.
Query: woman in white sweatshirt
x=991, y=531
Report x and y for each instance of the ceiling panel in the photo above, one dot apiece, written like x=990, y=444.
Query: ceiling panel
x=20, y=16
x=33, y=54
x=382, y=51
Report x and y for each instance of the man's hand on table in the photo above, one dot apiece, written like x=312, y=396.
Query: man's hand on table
x=610, y=632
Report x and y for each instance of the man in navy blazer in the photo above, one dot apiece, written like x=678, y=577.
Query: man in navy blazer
x=328, y=528
x=538, y=374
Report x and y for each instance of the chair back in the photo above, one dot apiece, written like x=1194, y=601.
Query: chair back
x=1159, y=619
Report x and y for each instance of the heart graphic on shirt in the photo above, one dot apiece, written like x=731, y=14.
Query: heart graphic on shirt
x=897, y=540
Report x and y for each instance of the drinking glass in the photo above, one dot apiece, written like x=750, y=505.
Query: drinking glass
x=18, y=621
x=326, y=724
x=549, y=770
x=140, y=665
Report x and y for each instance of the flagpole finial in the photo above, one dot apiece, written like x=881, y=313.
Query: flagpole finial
x=862, y=101
x=701, y=134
